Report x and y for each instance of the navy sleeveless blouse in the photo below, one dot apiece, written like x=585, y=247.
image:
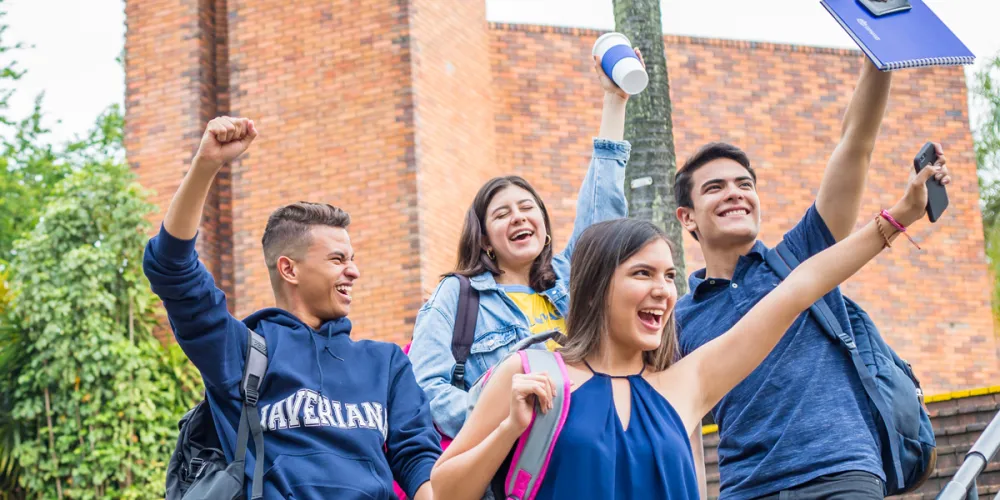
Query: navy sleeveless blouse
x=595, y=457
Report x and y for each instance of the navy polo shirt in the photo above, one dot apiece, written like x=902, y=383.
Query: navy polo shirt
x=803, y=412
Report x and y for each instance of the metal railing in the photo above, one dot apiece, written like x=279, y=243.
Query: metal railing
x=963, y=484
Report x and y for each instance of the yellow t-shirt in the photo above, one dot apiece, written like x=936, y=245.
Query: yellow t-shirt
x=542, y=315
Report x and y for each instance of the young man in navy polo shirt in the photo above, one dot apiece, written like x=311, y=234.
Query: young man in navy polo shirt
x=800, y=423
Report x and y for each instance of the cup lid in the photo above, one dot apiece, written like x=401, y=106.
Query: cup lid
x=613, y=34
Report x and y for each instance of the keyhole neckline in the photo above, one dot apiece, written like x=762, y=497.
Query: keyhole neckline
x=595, y=372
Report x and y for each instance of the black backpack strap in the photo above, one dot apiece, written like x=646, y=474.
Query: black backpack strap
x=782, y=261
x=253, y=375
x=465, y=328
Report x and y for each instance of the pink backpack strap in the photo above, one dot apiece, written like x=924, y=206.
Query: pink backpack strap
x=534, y=447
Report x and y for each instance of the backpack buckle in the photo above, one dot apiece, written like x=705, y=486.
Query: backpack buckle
x=458, y=375
x=251, y=396
x=848, y=341
x=197, y=467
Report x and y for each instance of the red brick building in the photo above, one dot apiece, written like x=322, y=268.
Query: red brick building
x=399, y=110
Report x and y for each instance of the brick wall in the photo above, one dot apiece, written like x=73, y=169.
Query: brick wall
x=169, y=94
x=548, y=110
x=453, y=122
x=329, y=87
x=398, y=111
x=958, y=420
x=783, y=105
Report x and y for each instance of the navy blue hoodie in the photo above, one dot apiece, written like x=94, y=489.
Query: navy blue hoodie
x=341, y=418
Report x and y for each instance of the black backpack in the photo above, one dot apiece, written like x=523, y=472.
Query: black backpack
x=197, y=469
x=464, y=331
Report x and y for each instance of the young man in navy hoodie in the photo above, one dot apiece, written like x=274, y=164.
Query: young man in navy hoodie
x=341, y=418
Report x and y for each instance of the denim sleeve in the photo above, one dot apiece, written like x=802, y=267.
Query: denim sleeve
x=433, y=363
x=211, y=338
x=810, y=236
x=601, y=197
x=412, y=444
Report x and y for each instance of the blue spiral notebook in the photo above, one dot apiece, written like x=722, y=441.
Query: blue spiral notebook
x=909, y=39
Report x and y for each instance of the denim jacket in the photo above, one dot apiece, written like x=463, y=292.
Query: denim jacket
x=500, y=323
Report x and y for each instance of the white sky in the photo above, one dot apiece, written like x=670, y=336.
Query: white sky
x=75, y=42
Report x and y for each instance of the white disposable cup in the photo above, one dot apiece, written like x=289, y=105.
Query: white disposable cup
x=626, y=70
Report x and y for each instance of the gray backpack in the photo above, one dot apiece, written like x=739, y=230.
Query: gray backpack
x=198, y=469
x=526, y=464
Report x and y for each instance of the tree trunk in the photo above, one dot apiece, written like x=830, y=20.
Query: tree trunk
x=52, y=443
x=649, y=179
x=131, y=377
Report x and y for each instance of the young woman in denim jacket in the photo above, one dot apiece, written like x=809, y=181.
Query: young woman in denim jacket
x=506, y=252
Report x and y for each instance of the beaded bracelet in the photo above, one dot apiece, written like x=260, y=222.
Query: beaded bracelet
x=878, y=225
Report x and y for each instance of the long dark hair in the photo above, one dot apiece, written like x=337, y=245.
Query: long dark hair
x=472, y=258
x=599, y=252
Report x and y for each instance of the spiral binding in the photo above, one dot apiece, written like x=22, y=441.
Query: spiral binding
x=931, y=61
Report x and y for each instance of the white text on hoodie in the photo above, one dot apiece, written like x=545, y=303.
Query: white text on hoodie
x=306, y=408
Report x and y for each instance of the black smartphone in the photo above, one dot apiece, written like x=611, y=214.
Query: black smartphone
x=937, y=196
x=880, y=8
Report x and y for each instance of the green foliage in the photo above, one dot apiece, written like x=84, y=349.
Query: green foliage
x=88, y=398
x=25, y=167
x=986, y=95
x=98, y=397
x=9, y=72
x=11, y=358
x=992, y=240
x=28, y=166
x=29, y=169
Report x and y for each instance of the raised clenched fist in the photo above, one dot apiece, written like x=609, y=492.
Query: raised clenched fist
x=225, y=138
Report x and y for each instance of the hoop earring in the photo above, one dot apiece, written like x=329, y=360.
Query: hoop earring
x=548, y=240
x=491, y=255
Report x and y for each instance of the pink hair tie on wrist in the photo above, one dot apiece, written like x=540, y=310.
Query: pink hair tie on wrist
x=899, y=227
x=887, y=216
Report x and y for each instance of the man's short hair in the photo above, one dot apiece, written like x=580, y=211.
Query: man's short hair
x=288, y=229
x=683, y=180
